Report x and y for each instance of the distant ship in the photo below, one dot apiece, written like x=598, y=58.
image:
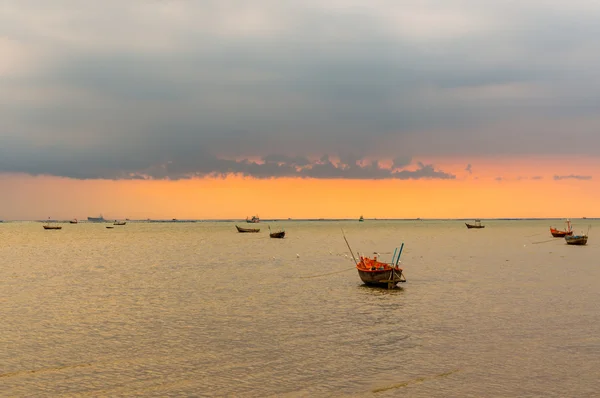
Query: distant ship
x=253, y=220
x=96, y=219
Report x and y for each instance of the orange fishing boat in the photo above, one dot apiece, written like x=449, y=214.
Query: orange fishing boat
x=557, y=233
x=376, y=273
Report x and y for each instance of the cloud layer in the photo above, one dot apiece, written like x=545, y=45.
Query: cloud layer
x=176, y=88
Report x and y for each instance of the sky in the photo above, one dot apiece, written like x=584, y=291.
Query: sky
x=224, y=109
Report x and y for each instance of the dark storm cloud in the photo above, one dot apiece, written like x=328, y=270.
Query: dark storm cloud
x=176, y=89
x=202, y=164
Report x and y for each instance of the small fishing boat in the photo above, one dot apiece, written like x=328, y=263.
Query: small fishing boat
x=277, y=235
x=577, y=240
x=73, y=221
x=477, y=225
x=557, y=233
x=109, y=227
x=119, y=222
x=361, y=219
x=253, y=220
x=51, y=227
x=376, y=273
x=244, y=230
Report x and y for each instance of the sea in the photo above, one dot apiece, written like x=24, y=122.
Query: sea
x=199, y=310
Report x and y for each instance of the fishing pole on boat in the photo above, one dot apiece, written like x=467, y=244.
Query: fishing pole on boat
x=349, y=248
x=399, y=254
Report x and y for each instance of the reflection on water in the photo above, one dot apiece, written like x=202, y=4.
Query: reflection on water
x=201, y=310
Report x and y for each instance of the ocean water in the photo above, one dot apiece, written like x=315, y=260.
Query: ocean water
x=197, y=309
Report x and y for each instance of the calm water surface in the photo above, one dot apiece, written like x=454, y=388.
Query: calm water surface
x=197, y=309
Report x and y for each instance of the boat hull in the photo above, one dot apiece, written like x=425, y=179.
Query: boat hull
x=376, y=273
x=472, y=226
x=560, y=234
x=576, y=240
x=277, y=235
x=50, y=227
x=247, y=230
x=385, y=278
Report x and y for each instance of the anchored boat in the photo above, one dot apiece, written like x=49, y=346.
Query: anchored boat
x=244, y=230
x=253, y=220
x=578, y=240
x=557, y=233
x=476, y=225
x=51, y=227
x=376, y=273
x=277, y=235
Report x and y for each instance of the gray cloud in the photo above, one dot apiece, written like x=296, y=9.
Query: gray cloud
x=202, y=164
x=572, y=177
x=177, y=88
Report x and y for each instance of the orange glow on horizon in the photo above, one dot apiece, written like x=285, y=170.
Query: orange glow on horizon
x=477, y=195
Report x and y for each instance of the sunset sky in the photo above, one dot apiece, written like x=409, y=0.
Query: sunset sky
x=303, y=109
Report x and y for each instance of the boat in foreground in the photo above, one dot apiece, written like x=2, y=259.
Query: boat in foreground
x=557, y=233
x=376, y=273
x=240, y=229
x=577, y=240
x=476, y=225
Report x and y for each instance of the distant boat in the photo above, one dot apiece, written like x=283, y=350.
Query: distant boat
x=476, y=225
x=109, y=227
x=51, y=227
x=277, y=235
x=361, y=219
x=96, y=219
x=119, y=222
x=557, y=233
x=253, y=220
x=73, y=221
x=240, y=229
